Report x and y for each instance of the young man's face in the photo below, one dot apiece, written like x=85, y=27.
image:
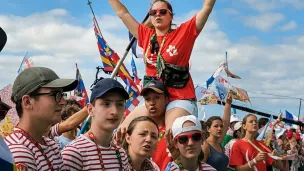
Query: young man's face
x=155, y=103
x=47, y=107
x=107, y=111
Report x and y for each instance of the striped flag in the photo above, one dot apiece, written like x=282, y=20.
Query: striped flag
x=27, y=62
x=112, y=58
x=80, y=90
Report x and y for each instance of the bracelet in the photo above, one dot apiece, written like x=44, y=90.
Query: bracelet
x=249, y=164
x=254, y=161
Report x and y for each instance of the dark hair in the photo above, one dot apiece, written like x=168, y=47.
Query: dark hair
x=69, y=109
x=133, y=124
x=262, y=122
x=243, y=131
x=169, y=6
x=234, y=135
x=209, y=122
x=19, y=102
x=166, y=93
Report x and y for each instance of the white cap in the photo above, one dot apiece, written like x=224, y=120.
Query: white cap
x=177, y=126
x=234, y=118
x=237, y=125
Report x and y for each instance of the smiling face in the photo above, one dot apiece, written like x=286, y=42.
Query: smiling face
x=160, y=20
x=143, y=139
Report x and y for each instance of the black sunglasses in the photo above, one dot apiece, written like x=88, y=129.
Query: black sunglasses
x=58, y=95
x=183, y=139
x=160, y=11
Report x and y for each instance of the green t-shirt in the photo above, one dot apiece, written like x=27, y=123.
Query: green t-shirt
x=227, y=138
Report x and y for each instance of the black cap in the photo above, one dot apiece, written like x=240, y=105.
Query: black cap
x=105, y=85
x=156, y=86
x=3, y=38
x=4, y=105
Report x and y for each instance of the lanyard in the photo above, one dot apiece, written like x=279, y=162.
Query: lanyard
x=161, y=134
x=92, y=137
x=159, y=51
x=21, y=131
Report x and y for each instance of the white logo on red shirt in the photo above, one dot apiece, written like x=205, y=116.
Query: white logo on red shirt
x=172, y=50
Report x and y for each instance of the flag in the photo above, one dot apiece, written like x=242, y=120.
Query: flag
x=111, y=58
x=134, y=73
x=215, y=74
x=222, y=87
x=263, y=132
x=137, y=51
x=240, y=94
x=229, y=74
x=27, y=62
x=290, y=117
x=80, y=90
x=205, y=96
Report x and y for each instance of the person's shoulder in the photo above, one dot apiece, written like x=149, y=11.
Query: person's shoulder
x=207, y=167
x=14, y=138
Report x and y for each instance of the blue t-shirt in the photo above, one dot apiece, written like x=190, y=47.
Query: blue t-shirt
x=63, y=141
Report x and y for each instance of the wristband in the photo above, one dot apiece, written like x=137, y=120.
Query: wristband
x=254, y=161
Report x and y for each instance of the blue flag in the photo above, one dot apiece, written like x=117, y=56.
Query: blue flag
x=288, y=116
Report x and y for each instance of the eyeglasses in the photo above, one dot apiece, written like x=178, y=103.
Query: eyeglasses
x=3, y=113
x=183, y=139
x=159, y=11
x=58, y=95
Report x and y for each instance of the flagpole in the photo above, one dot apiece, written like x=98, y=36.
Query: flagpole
x=22, y=62
x=299, y=110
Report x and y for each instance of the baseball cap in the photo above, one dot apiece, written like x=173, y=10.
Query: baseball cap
x=156, y=86
x=105, y=85
x=3, y=39
x=177, y=126
x=234, y=118
x=237, y=126
x=33, y=78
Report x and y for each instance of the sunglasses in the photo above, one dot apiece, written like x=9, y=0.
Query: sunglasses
x=183, y=139
x=159, y=11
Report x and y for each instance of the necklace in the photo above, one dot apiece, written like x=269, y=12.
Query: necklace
x=181, y=167
x=92, y=137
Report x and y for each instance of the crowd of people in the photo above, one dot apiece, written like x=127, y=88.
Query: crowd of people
x=164, y=134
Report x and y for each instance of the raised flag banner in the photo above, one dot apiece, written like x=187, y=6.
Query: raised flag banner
x=222, y=87
x=137, y=51
x=112, y=59
x=240, y=94
x=27, y=62
x=205, y=96
x=215, y=74
x=80, y=90
x=265, y=129
x=291, y=117
x=134, y=73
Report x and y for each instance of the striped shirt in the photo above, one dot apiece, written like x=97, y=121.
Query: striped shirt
x=172, y=166
x=82, y=154
x=26, y=153
x=54, y=131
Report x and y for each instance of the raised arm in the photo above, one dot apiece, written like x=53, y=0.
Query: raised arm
x=123, y=13
x=203, y=14
x=226, y=116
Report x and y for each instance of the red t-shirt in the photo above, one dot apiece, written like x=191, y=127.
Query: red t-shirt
x=242, y=152
x=176, y=50
x=161, y=156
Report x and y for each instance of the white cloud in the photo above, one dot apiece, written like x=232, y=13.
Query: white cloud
x=269, y=5
x=53, y=41
x=231, y=11
x=289, y=26
x=264, y=22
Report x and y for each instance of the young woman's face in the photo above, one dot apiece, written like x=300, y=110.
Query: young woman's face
x=216, y=128
x=143, y=140
x=189, y=143
x=160, y=15
x=251, y=124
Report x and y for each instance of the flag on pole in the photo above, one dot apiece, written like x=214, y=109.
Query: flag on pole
x=134, y=73
x=263, y=132
x=290, y=117
x=80, y=90
x=27, y=62
x=215, y=74
x=112, y=60
x=137, y=51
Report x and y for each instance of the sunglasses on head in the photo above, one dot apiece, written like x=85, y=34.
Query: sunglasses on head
x=183, y=139
x=159, y=11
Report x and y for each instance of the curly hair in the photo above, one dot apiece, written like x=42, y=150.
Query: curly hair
x=69, y=109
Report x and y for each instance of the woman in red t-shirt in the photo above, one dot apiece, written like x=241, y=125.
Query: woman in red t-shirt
x=244, y=156
x=162, y=46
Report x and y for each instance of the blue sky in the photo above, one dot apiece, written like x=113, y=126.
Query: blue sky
x=264, y=40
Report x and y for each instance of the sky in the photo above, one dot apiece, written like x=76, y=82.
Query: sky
x=264, y=41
